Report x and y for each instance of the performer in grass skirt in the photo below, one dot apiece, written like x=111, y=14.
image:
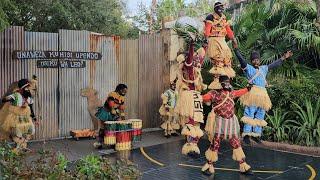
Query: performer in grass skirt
x=112, y=110
x=222, y=123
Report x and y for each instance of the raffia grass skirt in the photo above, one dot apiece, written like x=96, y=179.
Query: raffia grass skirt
x=189, y=104
x=257, y=96
x=15, y=121
x=219, y=50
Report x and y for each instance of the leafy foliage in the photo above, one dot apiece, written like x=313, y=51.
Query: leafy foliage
x=103, y=16
x=51, y=165
x=279, y=27
x=278, y=126
x=306, y=127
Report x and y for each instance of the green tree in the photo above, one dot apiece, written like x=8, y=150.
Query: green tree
x=281, y=26
x=5, y=5
x=103, y=16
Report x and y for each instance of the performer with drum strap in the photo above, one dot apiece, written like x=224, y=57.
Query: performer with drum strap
x=112, y=110
x=222, y=123
x=257, y=101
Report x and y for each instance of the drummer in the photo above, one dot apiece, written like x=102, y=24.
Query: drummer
x=112, y=110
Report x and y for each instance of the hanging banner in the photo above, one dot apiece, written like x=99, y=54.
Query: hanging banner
x=56, y=55
x=61, y=64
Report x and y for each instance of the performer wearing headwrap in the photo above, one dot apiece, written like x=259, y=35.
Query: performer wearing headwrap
x=223, y=124
x=169, y=100
x=216, y=29
x=16, y=116
x=257, y=101
x=189, y=104
x=112, y=110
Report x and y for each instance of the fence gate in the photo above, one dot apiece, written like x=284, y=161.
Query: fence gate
x=139, y=63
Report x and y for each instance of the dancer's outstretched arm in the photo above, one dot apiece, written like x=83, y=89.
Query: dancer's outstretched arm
x=279, y=62
x=241, y=59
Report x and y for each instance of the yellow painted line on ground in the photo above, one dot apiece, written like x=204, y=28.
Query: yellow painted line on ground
x=148, y=157
x=228, y=169
x=313, y=172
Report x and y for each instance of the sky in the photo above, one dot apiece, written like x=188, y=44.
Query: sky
x=132, y=5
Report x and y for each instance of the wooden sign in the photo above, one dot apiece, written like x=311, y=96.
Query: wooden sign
x=61, y=64
x=56, y=55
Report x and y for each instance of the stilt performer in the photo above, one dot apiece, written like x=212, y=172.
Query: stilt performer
x=169, y=100
x=257, y=101
x=189, y=104
x=17, y=116
x=216, y=29
x=222, y=123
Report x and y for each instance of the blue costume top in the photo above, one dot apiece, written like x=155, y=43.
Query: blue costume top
x=250, y=71
x=258, y=76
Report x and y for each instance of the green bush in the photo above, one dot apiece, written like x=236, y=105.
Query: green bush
x=51, y=165
x=278, y=126
x=306, y=125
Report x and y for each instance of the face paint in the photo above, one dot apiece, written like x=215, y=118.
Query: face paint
x=256, y=63
x=219, y=10
x=26, y=93
x=226, y=85
x=123, y=92
x=173, y=86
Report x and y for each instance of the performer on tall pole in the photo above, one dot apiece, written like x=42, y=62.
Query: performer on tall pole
x=216, y=29
x=189, y=104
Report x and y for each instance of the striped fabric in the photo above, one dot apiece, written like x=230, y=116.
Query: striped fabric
x=227, y=128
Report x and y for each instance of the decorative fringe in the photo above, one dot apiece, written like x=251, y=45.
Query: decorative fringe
x=215, y=85
x=181, y=58
x=183, y=120
x=164, y=99
x=244, y=167
x=218, y=70
x=185, y=104
x=257, y=96
x=198, y=131
x=261, y=123
x=10, y=120
x=162, y=111
x=174, y=70
x=253, y=122
x=201, y=52
x=200, y=86
x=249, y=121
x=229, y=71
x=175, y=125
x=208, y=167
x=189, y=130
x=166, y=126
x=218, y=48
x=211, y=155
x=252, y=134
x=238, y=154
x=209, y=128
x=198, y=117
x=190, y=147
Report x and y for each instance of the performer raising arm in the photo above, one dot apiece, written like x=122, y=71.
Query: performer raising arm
x=223, y=123
x=257, y=101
